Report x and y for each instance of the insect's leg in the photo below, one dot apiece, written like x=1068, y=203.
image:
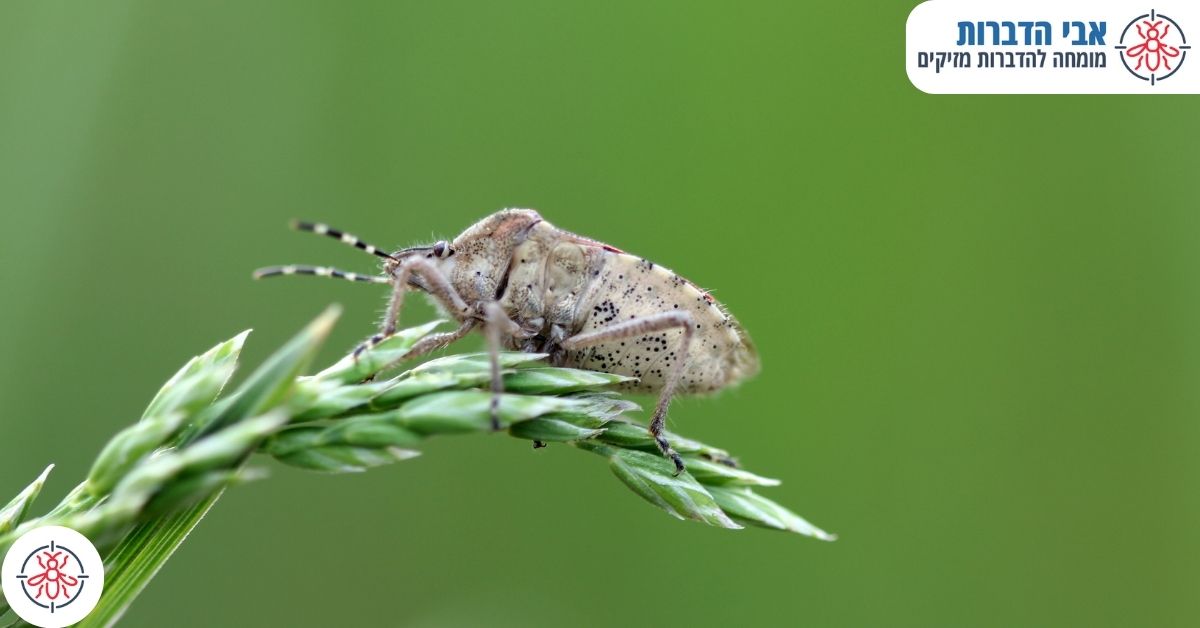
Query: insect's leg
x=433, y=342
x=438, y=285
x=639, y=327
x=495, y=321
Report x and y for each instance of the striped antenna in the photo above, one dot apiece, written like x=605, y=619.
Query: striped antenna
x=318, y=271
x=325, y=230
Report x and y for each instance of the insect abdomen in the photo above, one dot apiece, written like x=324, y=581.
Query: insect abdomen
x=625, y=287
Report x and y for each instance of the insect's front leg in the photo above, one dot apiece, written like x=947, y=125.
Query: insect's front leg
x=496, y=321
x=439, y=287
x=639, y=327
x=433, y=342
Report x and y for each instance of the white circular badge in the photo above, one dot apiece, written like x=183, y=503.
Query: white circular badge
x=52, y=576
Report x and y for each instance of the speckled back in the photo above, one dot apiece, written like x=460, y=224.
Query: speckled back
x=622, y=287
x=559, y=284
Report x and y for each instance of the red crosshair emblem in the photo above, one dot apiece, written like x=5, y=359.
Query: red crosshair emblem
x=52, y=583
x=1153, y=52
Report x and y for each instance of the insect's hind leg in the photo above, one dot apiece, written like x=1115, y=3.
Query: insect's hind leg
x=639, y=327
x=439, y=287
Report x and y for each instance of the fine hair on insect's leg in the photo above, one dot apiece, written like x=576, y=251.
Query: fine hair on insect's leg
x=439, y=288
x=640, y=327
x=494, y=319
x=440, y=340
x=433, y=342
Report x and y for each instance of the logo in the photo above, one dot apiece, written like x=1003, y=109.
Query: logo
x=1051, y=47
x=52, y=577
x=1153, y=47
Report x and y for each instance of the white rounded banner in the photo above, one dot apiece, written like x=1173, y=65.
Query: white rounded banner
x=1055, y=47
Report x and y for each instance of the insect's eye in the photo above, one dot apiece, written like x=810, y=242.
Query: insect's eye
x=442, y=250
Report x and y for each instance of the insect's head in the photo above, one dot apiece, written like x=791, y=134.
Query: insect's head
x=475, y=262
x=440, y=254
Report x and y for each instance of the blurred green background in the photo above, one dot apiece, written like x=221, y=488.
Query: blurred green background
x=977, y=315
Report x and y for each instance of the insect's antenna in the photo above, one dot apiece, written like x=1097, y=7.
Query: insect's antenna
x=325, y=230
x=318, y=271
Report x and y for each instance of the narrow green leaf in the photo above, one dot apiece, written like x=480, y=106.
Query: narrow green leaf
x=465, y=373
x=14, y=512
x=229, y=446
x=653, y=477
x=224, y=449
x=270, y=383
x=345, y=458
x=292, y=439
x=350, y=370
x=195, y=489
x=633, y=436
x=713, y=473
x=451, y=372
x=559, y=381
x=199, y=381
x=551, y=430
x=363, y=431
x=470, y=410
x=369, y=431
x=347, y=446
x=746, y=506
x=597, y=408
x=138, y=557
x=320, y=399
x=477, y=362
x=129, y=447
x=412, y=384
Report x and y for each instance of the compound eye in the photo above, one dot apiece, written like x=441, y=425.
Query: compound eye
x=441, y=250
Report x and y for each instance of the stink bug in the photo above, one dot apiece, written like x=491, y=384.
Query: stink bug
x=533, y=287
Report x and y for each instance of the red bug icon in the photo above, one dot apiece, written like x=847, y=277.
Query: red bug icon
x=52, y=583
x=1152, y=52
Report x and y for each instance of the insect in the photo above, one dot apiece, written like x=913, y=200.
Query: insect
x=1153, y=52
x=52, y=582
x=530, y=286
